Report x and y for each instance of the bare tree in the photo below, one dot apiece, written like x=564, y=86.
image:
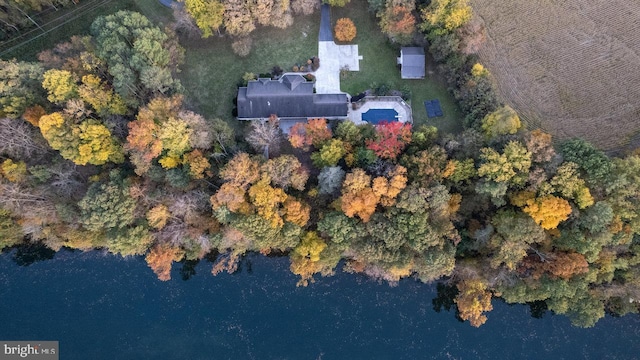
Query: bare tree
x=184, y=23
x=265, y=135
x=20, y=140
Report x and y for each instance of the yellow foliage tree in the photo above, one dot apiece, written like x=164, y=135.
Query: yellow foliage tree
x=241, y=170
x=60, y=85
x=305, y=258
x=548, y=211
x=472, y=300
x=197, y=163
x=104, y=101
x=501, y=122
x=97, y=146
x=267, y=201
x=14, y=171
x=158, y=216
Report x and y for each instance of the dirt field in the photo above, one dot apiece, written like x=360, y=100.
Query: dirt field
x=571, y=67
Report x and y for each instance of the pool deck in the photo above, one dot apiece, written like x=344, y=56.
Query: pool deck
x=384, y=102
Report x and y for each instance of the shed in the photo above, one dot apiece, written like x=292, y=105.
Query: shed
x=412, y=62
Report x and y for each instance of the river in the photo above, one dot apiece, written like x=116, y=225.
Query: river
x=100, y=306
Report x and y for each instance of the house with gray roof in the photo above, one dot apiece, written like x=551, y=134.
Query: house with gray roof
x=412, y=62
x=290, y=98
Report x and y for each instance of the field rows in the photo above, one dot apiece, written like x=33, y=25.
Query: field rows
x=571, y=67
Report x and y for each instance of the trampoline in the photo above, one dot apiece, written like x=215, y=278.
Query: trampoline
x=374, y=116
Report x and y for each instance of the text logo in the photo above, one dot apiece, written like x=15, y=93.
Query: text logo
x=37, y=350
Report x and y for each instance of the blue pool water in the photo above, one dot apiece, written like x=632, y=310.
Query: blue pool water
x=374, y=116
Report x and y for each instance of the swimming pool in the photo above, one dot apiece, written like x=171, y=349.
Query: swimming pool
x=374, y=116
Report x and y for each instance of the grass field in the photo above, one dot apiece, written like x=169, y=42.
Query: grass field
x=571, y=67
x=378, y=66
x=212, y=71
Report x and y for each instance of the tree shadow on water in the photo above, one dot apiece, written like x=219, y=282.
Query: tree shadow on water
x=29, y=253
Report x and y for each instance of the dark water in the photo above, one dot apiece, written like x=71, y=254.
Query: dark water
x=104, y=307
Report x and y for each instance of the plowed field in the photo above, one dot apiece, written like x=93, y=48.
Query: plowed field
x=571, y=67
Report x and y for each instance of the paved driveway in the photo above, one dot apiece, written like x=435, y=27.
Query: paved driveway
x=333, y=57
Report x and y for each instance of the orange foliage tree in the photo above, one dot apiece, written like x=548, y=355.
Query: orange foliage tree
x=398, y=22
x=358, y=198
x=314, y=132
x=160, y=259
x=391, y=138
x=345, y=30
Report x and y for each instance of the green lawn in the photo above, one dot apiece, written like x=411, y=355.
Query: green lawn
x=378, y=66
x=212, y=71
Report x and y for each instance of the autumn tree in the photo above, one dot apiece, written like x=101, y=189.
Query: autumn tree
x=358, y=198
x=88, y=142
x=337, y=3
x=158, y=216
x=345, y=30
x=296, y=212
x=305, y=258
x=61, y=85
x=391, y=138
x=512, y=166
x=286, y=171
x=164, y=133
x=397, y=21
x=208, y=15
x=19, y=87
x=501, y=122
x=446, y=15
x=10, y=232
x=160, y=259
x=267, y=201
x=102, y=98
x=237, y=18
x=547, y=211
x=241, y=170
x=568, y=184
x=314, y=132
x=472, y=300
x=540, y=145
x=329, y=154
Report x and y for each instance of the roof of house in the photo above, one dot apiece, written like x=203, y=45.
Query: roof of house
x=289, y=97
x=413, y=62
